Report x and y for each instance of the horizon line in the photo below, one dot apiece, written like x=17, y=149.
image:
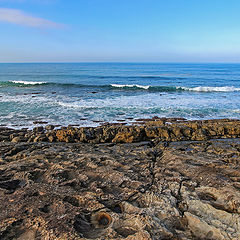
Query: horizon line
x=124, y=62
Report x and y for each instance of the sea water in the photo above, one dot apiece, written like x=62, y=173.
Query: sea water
x=86, y=94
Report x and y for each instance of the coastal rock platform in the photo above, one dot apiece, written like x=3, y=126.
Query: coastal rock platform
x=157, y=129
x=135, y=184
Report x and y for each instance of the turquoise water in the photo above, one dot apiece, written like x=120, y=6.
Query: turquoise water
x=83, y=93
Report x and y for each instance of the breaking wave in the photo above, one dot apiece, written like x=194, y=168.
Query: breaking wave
x=129, y=87
x=168, y=89
x=27, y=82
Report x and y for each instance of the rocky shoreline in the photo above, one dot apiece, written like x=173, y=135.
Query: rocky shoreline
x=157, y=129
x=158, y=179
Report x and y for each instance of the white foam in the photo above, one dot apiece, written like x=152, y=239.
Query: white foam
x=27, y=82
x=236, y=110
x=211, y=89
x=129, y=86
x=26, y=99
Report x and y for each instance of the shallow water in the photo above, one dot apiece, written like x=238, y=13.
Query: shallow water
x=82, y=93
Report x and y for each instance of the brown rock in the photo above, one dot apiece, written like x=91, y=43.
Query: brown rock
x=49, y=127
x=38, y=129
x=201, y=229
x=16, y=139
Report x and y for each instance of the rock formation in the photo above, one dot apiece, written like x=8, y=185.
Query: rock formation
x=122, y=182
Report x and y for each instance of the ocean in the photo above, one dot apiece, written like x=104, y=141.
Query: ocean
x=88, y=94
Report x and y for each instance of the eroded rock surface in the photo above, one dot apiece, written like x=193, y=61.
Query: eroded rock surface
x=145, y=190
x=157, y=129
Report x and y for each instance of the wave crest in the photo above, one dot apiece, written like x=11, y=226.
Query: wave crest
x=130, y=86
x=211, y=89
x=28, y=82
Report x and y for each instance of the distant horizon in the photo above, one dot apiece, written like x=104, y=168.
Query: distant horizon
x=238, y=63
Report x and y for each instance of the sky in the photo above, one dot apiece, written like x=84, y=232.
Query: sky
x=119, y=31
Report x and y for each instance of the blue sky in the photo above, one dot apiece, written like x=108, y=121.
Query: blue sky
x=119, y=31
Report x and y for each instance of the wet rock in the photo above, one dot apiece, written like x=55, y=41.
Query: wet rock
x=41, y=138
x=154, y=130
x=38, y=129
x=40, y=122
x=178, y=131
x=49, y=127
x=51, y=137
x=130, y=134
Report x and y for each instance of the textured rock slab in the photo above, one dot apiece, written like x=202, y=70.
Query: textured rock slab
x=164, y=129
x=179, y=190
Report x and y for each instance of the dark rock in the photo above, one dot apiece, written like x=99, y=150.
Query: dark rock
x=38, y=129
x=49, y=127
x=40, y=122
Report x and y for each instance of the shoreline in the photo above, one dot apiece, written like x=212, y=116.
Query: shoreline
x=130, y=121
x=153, y=129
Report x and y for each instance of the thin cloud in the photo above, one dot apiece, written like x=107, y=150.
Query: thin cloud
x=19, y=17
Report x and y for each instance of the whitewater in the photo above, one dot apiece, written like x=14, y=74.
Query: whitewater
x=129, y=86
x=88, y=94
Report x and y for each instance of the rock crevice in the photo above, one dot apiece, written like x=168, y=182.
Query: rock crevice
x=144, y=190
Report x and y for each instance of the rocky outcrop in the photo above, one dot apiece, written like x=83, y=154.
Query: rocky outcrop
x=157, y=129
x=157, y=179
x=146, y=190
